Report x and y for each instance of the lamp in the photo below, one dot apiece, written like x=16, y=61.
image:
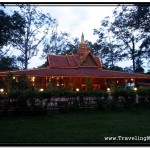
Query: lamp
x=77, y=89
x=41, y=90
x=108, y=89
x=33, y=79
x=1, y=90
x=135, y=88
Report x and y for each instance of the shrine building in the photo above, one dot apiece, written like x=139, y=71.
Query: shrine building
x=76, y=70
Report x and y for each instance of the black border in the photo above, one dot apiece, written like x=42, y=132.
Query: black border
x=76, y=144
x=77, y=3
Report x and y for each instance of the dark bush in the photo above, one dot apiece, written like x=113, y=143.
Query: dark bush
x=144, y=91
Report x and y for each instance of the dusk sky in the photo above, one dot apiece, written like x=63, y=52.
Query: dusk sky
x=75, y=20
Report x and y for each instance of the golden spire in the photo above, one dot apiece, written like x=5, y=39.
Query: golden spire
x=82, y=39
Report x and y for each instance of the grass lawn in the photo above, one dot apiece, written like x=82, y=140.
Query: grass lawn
x=75, y=127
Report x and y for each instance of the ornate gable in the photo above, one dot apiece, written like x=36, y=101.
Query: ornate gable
x=89, y=61
x=83, y=58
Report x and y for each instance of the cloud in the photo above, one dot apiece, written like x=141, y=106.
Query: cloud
x=78, y=19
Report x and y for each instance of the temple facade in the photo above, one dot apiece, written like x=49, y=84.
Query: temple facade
x=81, y=71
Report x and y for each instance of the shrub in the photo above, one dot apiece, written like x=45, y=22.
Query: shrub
x=128, y=94
x=144, y=91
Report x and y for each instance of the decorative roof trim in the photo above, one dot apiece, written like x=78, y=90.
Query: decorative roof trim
x=68, y=60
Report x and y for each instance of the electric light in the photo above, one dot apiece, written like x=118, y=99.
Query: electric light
x=41, y=90
x=108, y=89
x=77, y=89
x=135, y=88
x=1, y=90
x=33, y=79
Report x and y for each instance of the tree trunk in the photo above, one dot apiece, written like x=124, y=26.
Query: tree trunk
x=133, y=61
x=133, y=53
x=26, y=61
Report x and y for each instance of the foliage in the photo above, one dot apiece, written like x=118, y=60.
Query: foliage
x=125, y=30
x=60, y=43
x=121, y=37
x=123, y=92
x=35, y=102
x=144, y=91
x=8, y=63
x=140, y=17
x=37, y=25
x=148, y=72
x=88, y=82
x=10, y=83
x=11, y=28
x=116, y=68
x=23, y=82
x=108, y=46
x=70, y=87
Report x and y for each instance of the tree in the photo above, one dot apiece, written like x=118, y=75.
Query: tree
x=72, y=46
x=8, y=63
x=139, y=68
x=23, y=82
x=108, y=46
x=11, y=27
x=93, y=47
x=140, y=14
x=10, y=83
x=57, y=43
x=136, y=31
x=127, y=35
x=60, y=43
x=37, y=26
x=116, y=68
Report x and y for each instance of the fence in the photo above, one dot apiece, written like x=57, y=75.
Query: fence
x=41, y=102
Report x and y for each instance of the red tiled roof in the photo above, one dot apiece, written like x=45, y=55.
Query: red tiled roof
x=69, y=61
x=73, y=61
x=78, y=72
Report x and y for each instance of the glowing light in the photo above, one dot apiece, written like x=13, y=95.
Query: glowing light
x=14, y=78
x=135, y=88
x=62, y=84
x=132, y=79
x=77, y=89
x=33, y=79
x=41, y=90
x=1, y=90
x=108, y=89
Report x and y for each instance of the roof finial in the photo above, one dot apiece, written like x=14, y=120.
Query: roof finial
x=82, y=39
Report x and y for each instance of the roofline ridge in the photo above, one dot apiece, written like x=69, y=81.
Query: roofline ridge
x=75, y=60
x=127, y=72
x=49, y=62
x=68, y=60
x=101, y=65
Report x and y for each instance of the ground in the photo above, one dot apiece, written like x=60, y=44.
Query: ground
x=75, y=127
